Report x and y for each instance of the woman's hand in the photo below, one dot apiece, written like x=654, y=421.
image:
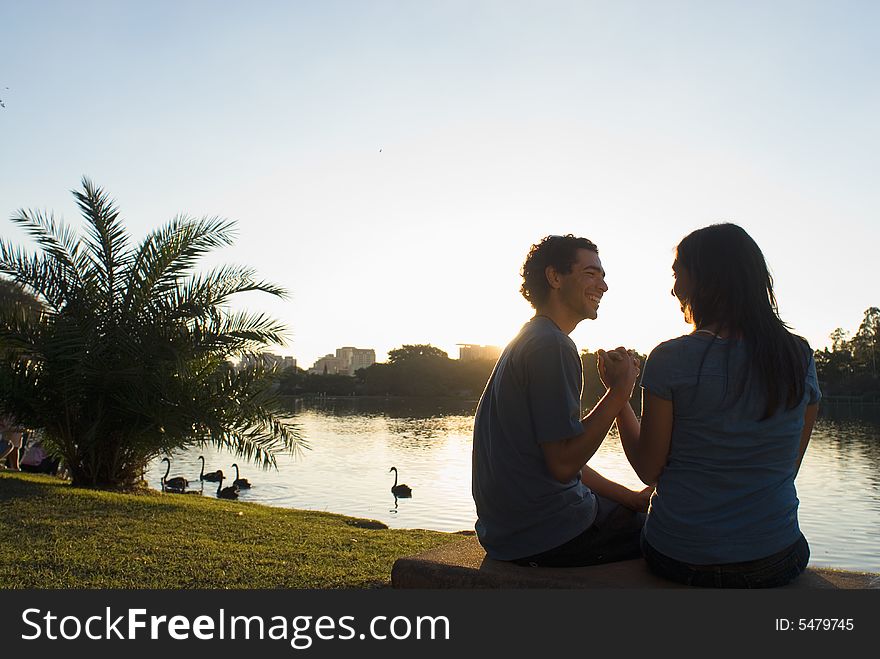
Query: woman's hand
x=618, y=369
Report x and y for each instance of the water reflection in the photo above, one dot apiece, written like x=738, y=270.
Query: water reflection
x=354, y=442
x=839, y=490
x=386, y=408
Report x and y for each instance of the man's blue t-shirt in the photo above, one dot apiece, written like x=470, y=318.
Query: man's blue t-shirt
x=727, y=493
x=532, y=397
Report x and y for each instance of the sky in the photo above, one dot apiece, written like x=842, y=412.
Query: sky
x=391, y=162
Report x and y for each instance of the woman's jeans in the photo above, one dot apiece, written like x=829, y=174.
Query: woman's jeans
x=775, y=570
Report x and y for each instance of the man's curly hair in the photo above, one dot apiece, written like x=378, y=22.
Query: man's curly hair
x=558, y=251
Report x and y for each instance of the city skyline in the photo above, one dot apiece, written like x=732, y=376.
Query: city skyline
x=356, y=358
x=390, y=163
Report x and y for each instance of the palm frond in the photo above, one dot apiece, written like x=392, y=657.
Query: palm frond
x=56, y=239
x=41, y=274
x=218, y=285
x=256, y=419
x=21, y=324
x=239, y=332
x=166, y=256
x=108, y=240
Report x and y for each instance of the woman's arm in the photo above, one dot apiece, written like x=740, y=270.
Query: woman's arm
x=646, y=445
x=809, y=420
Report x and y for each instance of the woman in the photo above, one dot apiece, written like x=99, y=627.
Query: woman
x=726, y=417
x=35, y=459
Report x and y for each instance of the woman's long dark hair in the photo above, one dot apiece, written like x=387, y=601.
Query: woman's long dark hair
x=732, y=288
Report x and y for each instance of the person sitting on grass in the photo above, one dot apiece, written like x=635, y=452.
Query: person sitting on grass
x=35, y=459
x=11, y=435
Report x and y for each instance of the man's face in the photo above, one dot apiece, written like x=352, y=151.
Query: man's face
x=583, y=288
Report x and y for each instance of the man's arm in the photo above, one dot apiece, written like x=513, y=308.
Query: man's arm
x=566, y=457
x=632, y=499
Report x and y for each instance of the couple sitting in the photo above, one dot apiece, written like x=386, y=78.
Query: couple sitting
x=727, y=413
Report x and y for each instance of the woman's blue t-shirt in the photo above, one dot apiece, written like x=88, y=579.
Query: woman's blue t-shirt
x=727, y=493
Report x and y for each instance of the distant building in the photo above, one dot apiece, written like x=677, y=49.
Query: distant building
x=352, y=359
x=346, y=361
x=269, y=360
x=326, y=365
x=469, y=352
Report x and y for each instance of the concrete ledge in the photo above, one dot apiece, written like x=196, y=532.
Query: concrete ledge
x=464, y=565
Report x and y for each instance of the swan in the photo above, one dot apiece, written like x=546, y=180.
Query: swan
x=230, y=492
x=176, y=484
x=212, y=476
x=402, y=491
x=240, y=483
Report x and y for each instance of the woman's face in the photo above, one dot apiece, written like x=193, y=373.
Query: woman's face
x=681, y=289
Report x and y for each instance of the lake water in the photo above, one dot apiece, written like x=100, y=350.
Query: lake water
x=354, y=443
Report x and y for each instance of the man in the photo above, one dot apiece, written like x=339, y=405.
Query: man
x=537, y=501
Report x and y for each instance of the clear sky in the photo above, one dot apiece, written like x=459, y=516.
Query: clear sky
x=390, y=163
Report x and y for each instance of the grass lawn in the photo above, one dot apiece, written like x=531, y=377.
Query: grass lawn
x=55, y=536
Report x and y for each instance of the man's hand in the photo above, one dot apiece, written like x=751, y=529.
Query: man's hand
x=632, y=499
x=639, y=501
x=618, y=369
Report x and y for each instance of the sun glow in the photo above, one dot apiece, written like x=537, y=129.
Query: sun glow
x=394, y=184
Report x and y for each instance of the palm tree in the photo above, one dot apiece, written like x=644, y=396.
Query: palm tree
x=128, y=356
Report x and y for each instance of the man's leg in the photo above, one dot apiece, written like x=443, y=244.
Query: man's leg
x=614, y=536
x=619, y=531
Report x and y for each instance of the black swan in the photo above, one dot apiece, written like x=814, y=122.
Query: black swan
x=176, y=484
x=240, y=483
x=230, y=492
x=402, y=491
x=212, y=476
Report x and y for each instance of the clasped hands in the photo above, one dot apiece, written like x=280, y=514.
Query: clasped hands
x=618, y=369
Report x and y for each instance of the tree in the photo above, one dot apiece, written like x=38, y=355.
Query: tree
x=13, y=296
x=127, y=358
x=865, y=340
x=838, y=339
x=407, y=353
x=850, y=367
